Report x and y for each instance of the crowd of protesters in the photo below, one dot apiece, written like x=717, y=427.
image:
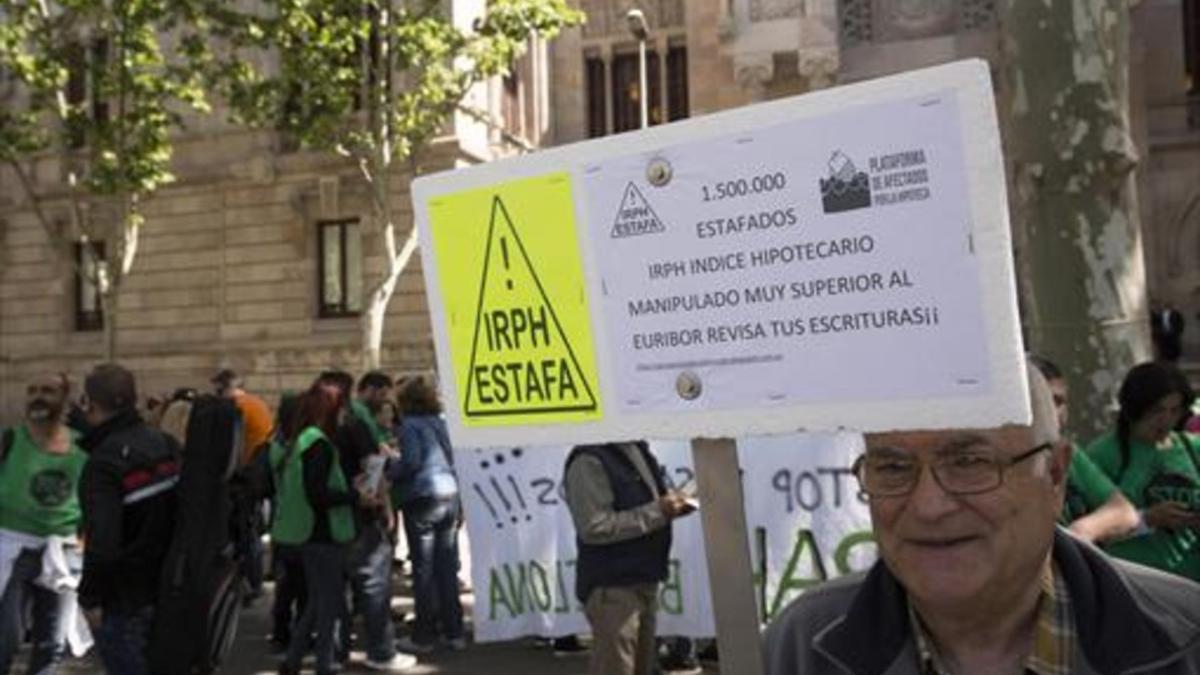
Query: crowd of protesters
x=90, y=505
x=1135, y=489
x=352, y=466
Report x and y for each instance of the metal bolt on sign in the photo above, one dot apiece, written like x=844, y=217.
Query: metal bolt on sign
x=658, y=172
x=688, y=385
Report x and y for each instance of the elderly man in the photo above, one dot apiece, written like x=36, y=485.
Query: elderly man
x=975, y=578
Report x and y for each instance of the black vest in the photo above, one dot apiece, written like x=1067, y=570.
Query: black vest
x=635, y=561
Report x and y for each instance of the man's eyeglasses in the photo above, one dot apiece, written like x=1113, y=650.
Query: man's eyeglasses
x=882, y=474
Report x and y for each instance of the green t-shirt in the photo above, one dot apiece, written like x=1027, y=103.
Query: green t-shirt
x=40, y=489
x=1154, y=475
x=1087, y=488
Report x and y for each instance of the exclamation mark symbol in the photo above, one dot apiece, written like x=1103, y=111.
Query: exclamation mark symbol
x=504, y=252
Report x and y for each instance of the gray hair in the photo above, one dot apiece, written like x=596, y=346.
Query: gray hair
x=1041, y=401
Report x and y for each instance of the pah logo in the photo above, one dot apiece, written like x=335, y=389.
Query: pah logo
x=846, y=188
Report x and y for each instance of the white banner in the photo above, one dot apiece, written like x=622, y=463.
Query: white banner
x=802, y=508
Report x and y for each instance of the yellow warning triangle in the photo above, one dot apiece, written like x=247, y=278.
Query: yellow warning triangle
x=521, y=359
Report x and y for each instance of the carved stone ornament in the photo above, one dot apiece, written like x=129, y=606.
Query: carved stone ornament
x=818, y=66
x=773, y=10
x=754, y=72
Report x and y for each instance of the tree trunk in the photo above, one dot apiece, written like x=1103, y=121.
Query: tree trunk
x=381, y=295
x=108, y=306
x=1071, y=154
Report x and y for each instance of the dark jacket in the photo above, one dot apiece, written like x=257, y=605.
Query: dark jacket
x=318, y=462
x=630, y=562
x=1130, y=619
x=354, y=443
x=128, y=496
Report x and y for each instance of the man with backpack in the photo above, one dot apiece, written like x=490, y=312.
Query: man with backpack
x=40, y=466
x=128, y=496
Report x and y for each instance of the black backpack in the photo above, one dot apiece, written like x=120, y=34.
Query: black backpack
x=201, y=587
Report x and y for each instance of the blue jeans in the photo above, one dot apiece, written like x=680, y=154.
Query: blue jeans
x=121, y=640
x=371, y=580
x=49, y=642
x=431, y=526
x=324, y=575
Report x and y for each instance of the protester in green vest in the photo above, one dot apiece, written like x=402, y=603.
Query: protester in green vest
x=315, y=512
x=1093, y=508
x=361, y=444
x=373, y=390
x=1155, y=465
x=40, y=466
x=287, y=568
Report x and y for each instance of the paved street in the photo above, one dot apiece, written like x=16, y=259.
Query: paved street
x=523, y=657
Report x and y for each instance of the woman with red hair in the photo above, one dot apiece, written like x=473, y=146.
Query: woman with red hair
x=315, y=512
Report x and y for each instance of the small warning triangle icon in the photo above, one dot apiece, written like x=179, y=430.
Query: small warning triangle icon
x=634, y=216
x=521, y=359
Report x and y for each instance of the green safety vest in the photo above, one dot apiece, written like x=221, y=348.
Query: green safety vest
x=40, y=490
x=294, y=516
x=363, y=413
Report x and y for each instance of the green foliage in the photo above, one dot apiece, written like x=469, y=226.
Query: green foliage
x=96, y=83
x=373, y=79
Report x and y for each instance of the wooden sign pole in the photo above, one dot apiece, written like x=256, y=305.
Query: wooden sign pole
x=727, y=548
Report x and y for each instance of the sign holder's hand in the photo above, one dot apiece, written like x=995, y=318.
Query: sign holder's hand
x=675, y=505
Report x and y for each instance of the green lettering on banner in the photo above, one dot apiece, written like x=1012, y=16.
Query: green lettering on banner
x=806, y=547
x=517, y=590
x=496, y=596
x=841, y=556
x=805, y=540
x=539, y=572
x=529, y=587
x=670, y=595
x=561, y=584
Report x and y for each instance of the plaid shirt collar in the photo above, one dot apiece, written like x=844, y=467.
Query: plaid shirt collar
x=1054, y=636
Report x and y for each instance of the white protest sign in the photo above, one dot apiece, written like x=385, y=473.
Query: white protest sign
x=807, y=524
x=835, y=260
x=791, y=274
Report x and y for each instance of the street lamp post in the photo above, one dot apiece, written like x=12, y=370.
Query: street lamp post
x=636, y=21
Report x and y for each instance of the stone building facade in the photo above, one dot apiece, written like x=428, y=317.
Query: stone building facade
x=232, y=268
x=255, y=258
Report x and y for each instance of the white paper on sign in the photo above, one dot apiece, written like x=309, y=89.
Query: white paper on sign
x=820, y=248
